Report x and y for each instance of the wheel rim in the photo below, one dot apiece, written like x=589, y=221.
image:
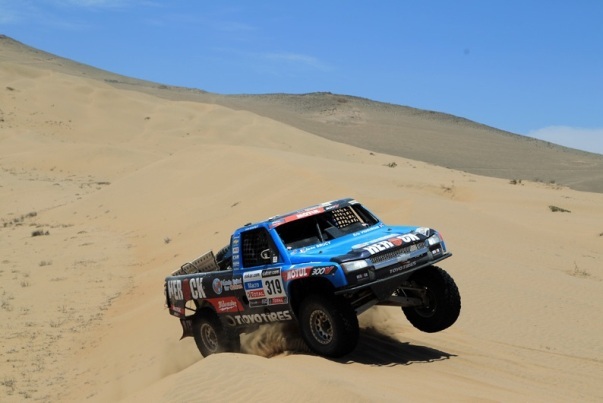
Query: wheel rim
x=321, y=327
x=432, y=304
x=209, y=337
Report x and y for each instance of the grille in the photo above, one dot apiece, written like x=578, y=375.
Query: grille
x=394, y=253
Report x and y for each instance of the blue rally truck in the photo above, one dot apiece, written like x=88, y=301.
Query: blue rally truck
x=320, y=266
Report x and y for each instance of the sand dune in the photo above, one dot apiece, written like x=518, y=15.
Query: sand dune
x=437, y=138
x=120, y=186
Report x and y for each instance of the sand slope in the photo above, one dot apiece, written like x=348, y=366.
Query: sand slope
x=437, y=138
x=122, y=186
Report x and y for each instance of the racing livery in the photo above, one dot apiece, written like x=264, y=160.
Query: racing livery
x=320, y=266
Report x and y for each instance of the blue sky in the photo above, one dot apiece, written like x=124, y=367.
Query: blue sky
x=529, y=67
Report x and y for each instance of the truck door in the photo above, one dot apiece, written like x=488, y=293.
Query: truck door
x=261, y=271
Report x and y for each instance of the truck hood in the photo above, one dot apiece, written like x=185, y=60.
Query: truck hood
x=362, y=243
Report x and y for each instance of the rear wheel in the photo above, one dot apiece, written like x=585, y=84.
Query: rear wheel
x=211, y=338
x=442, y=300
x=329, y=326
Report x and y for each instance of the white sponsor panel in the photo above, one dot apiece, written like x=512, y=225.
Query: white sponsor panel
x=264, y=283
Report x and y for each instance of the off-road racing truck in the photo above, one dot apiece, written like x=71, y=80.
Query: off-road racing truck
x=320, y=266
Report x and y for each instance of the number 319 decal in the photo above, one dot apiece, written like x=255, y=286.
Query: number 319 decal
x=273, y=286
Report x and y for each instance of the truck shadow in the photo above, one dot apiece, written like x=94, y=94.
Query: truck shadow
x=375, y=348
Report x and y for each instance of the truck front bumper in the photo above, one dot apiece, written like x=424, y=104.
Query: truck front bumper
x=384, y=281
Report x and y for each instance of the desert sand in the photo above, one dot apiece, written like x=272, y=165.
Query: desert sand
x=107, y=184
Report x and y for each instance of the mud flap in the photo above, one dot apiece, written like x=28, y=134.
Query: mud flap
x=187, y=327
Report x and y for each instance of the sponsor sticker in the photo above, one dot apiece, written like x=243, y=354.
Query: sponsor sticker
x=320, y=271
x=293, y=274
x=253, y=285
x=391, y=243
x=254, y=303
x=231, y=285
x=256, y=294
x=401, y=268
x=297, y=215
x=175, y=290
x=217, y=286
x=268, y=317
x=369, y=229
x=225, y=305
x=309, y=213
x=252, y=275
x=196, y=288
x=277, y=301
x=271, y=272
x=263, y=283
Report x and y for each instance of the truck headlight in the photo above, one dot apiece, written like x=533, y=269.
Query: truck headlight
x=354, y=265
x=434, y=239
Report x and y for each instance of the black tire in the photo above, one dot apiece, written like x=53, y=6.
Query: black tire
x=329, y=326
x=443, y=301
x=210, y=336
x=224, y=258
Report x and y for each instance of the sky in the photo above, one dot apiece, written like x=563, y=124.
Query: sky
x=531, y=67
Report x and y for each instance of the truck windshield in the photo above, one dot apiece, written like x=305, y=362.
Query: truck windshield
x=325, y=226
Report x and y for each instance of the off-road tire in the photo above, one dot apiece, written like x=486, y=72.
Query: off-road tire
x=328, y=325
x=210, y=336
x=444, y=301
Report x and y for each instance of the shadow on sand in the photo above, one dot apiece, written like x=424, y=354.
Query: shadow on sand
x=375, y=348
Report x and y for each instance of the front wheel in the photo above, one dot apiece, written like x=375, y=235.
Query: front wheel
x=210, y=336
x=329, y=326
x=442, y=304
